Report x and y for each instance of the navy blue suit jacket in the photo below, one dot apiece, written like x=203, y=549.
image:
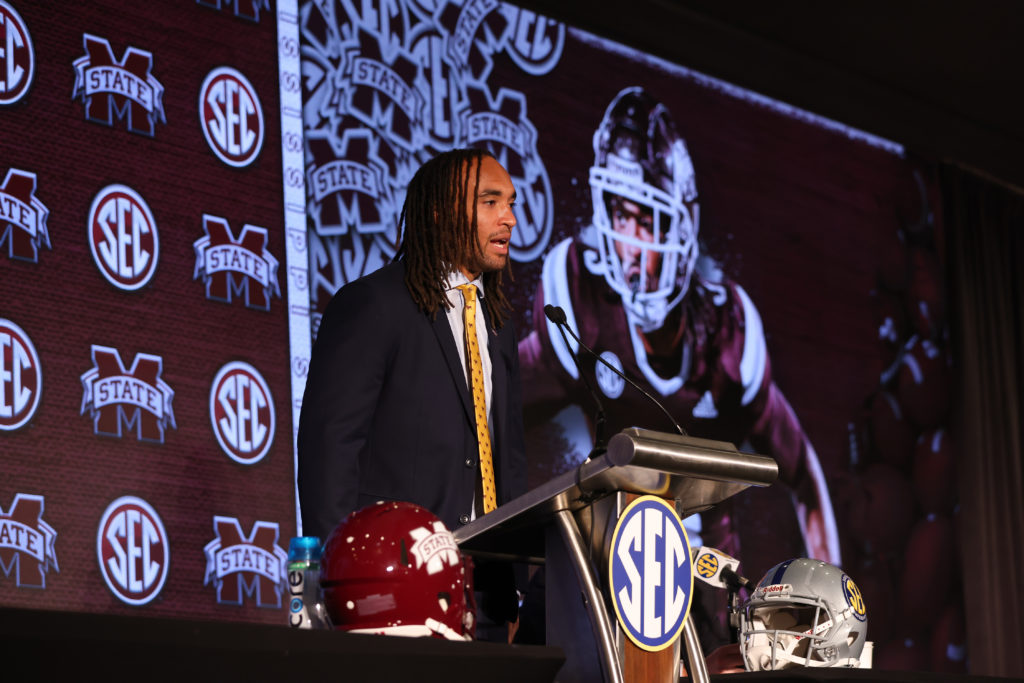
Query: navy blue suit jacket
x=387, y=413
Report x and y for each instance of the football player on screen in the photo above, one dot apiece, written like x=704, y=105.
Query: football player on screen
x=638, y=292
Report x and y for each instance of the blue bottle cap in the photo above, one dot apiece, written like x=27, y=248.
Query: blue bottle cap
x=304, y=548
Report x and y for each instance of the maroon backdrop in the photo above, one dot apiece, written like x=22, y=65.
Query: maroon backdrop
x=63, y=303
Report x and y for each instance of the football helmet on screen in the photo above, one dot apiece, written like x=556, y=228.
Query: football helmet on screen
x=803, y=613
x=394, y=568
x=642, y=176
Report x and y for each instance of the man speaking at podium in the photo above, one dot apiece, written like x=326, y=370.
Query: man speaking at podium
x=413, y=390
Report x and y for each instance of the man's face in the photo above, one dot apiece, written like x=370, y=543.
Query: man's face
x=636, y=222
x=494, y=200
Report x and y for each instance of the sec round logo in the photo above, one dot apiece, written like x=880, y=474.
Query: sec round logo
x=132, y=549
x=17, y=58
x=242, y=412
x=854, y=598
x=123, y=237
x=706, y=565
x=650, y=575
x=21, y=377
x=610, y=383
x=231, y=116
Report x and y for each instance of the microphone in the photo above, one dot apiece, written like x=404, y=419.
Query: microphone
x=717, y=569
x=557, y=315
x=599, y=417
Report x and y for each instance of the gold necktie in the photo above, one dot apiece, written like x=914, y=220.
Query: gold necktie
x=476, y=381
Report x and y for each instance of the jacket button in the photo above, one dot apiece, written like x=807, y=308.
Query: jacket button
x=470, y=462
x=463, y=519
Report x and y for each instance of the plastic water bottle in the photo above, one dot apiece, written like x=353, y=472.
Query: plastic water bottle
x=305, y=606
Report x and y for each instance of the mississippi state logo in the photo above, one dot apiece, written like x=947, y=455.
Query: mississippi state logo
x=238, y=564
x=231, y=266
x=17, y=58
x=231, y=117
x=500, y=125
x=468, y=48
x=135, y=398
x=243, y=9
x=118, y=89
x=133, y=551
x=351, y=193
x=854, y=598
x=123, y=237
x=650, y=574
x=22, y=217
x=21, y=377
x=434, y=548
x=27, y=542
x=379, y=87
x=242, y=412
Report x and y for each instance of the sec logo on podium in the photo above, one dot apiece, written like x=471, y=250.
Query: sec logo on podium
x=650, y=574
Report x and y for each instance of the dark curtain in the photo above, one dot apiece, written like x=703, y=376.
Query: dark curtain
x=984, y=225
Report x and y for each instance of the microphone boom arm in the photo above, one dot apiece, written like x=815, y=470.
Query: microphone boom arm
x=557, y=315
x=600, y=442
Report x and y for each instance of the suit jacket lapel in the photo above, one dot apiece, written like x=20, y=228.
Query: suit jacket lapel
x=446, y=338
x=499, y=390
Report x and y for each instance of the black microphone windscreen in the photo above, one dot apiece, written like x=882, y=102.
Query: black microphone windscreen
x=555, y=314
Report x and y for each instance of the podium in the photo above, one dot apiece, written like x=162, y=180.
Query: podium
x=567, y=524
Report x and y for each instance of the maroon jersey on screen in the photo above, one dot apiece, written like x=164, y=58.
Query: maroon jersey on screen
x=717, y=382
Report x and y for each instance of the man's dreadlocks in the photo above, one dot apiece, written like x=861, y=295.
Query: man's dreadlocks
x=438, y=235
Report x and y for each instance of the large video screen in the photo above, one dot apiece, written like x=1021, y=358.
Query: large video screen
x=776, y=284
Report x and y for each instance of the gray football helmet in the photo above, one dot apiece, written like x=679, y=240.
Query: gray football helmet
x=803, y=613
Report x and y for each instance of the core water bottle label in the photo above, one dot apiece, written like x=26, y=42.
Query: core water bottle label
x=304, y=608
x=298, y=614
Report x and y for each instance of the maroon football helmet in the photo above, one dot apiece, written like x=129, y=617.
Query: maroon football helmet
x=394, y=568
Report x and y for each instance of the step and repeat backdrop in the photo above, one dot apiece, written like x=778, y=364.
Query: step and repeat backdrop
x=186, y=184
x=145, y=383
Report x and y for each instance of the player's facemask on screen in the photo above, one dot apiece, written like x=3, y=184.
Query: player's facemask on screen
x=647, y=241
